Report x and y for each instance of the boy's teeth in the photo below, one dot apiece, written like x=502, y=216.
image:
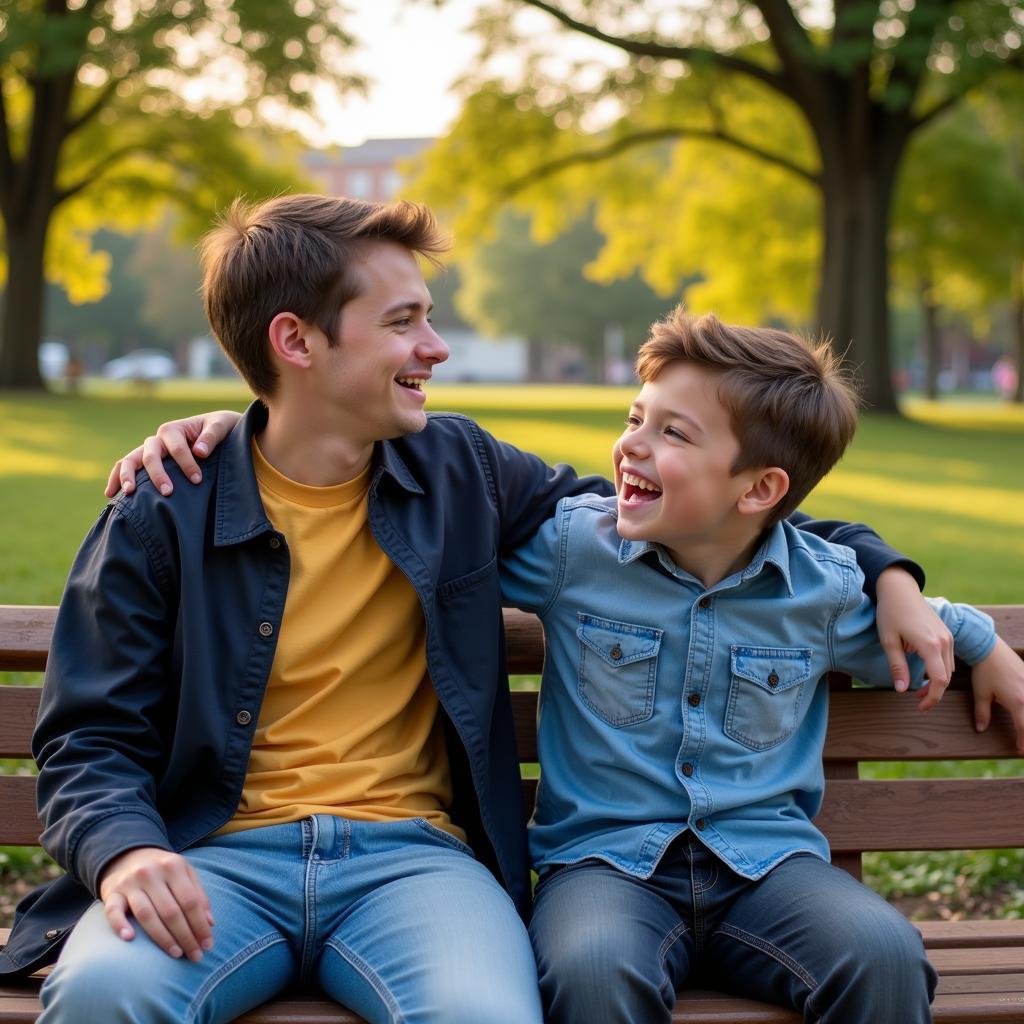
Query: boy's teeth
x=637, y=482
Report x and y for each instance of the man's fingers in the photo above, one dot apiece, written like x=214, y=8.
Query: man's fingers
x=174, y=442
x=115, y=908
x=194, y=907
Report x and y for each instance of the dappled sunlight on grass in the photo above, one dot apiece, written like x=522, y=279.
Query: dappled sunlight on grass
x=15, y=462
x=1002, y=506
x=968, y=415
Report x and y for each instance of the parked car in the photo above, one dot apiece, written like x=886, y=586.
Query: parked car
x=142, y=364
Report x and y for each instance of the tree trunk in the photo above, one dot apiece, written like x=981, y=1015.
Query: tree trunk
x=853, y=302
x=22, y=327
x=1017, y=330
x=932, y=341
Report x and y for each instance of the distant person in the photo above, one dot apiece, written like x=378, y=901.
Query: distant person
x=275, y=739
x=74, y=371
x=689, y=635
x=1004, y=378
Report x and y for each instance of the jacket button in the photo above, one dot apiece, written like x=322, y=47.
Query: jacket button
x=616, y=652
x=700, y=824
x=243, y=717
x=773, y=679
x=275, y=543
x=693, y=700
x=54, y=933
x=687, y=769
x=705, y=602
x=266, y=628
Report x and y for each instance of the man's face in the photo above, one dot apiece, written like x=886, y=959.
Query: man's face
x=672, y=463
x=386, y=348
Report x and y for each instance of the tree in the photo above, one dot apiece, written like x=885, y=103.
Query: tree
x=958, y=221
x=108, y=110
x=516, y=285
x=858, y=84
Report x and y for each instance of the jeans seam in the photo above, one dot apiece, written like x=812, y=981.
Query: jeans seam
x=229, y=967
x=670, y=940
x=308, y=897
x=770, y=949
x=369, y=975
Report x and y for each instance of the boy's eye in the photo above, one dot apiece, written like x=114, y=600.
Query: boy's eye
x=632, y=421
x=678, y=434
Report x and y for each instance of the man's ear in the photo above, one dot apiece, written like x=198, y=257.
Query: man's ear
x=288, y=339
x=768, y=487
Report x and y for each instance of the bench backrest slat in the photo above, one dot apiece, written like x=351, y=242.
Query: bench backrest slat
x=864, y=725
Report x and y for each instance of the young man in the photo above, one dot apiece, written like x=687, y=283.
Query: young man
x=689, y=633
x=275, y=740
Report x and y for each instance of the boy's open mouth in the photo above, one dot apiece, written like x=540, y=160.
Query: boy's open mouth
x=636, y=490
x=413, y=383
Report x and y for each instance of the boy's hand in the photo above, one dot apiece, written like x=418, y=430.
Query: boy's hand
x=181, y=439
x=906, y=623
x=163, y=893
x=999, y=677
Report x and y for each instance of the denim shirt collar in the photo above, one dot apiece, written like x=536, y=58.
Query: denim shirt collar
x=240, y=513
x=773, y=551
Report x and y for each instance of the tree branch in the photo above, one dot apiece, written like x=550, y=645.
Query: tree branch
x=95, y=107
x=98, y=168
x=665, y=51
x=618, y=146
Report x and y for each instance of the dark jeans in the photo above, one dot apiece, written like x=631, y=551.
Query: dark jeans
x=614, y=948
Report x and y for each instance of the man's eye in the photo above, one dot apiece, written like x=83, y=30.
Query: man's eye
x=404, y=322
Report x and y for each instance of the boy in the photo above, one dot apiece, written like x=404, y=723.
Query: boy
x=683, y=708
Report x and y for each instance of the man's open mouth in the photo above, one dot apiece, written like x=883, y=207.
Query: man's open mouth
x=636, y=490
x=414, y=383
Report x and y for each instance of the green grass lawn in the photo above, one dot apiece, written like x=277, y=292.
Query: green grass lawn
x=945, y=486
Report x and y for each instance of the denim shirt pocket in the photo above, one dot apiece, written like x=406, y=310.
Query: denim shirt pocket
x=766, y=694
x=617, y=668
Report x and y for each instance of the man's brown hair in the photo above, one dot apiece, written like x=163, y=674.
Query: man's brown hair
x=296, y=254
x=789, y=402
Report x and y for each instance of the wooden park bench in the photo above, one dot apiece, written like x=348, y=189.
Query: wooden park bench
x=980, y=963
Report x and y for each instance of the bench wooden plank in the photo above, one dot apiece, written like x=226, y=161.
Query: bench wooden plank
x=967, y=934
x=25, y=632
x=19, y=706
x=1001, y=960
x=923, y=814
x=19, y=825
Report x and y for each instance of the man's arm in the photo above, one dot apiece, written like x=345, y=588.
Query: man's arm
x=98, y=744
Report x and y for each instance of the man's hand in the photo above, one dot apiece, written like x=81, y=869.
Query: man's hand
x=181, y=439
x=999, y=677
x=906, y=623
x=163, y=893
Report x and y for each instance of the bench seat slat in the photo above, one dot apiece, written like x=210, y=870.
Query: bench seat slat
x=19, y=706
x=967, y=934
x=19, y=825
x=26, y=631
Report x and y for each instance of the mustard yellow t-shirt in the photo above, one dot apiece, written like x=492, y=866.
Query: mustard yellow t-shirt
x=349, y=724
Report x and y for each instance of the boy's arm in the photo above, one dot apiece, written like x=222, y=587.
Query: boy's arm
x=529, y=574
x=906, y=623
x=98, y=746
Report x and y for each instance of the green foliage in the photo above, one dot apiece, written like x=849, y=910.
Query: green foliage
x=516, y=285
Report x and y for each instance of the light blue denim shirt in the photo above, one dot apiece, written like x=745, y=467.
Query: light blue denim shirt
x=668, y=706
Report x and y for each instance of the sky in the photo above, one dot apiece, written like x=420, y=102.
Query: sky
x=411, y=52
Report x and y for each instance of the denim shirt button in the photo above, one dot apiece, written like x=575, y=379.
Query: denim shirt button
x=688, y=771
x=616, y=653
x=773, y=679
x=693, y=700
x=705, y=602
x=700, y=824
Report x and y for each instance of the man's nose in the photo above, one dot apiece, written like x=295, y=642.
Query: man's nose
x=433, y=347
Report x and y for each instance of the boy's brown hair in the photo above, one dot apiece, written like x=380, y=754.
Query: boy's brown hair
x=789, y=402
x=296, y=254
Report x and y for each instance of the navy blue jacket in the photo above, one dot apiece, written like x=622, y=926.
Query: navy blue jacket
x=167, y=630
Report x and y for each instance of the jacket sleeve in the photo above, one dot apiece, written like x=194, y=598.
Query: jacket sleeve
x=874, y=556
x=98, y=741
x=526, y=489
x=854, y=645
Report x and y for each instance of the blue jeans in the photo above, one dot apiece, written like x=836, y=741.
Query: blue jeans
x=614, y=948
x=395, y=920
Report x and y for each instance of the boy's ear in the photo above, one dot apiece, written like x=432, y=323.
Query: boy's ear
x=768, y=488
x=287, y=333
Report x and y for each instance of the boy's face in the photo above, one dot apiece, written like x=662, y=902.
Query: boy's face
x=672, y=464
x=386, y=348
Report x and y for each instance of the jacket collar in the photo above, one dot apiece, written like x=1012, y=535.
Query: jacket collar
x=774, y=551
x=240, y=513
